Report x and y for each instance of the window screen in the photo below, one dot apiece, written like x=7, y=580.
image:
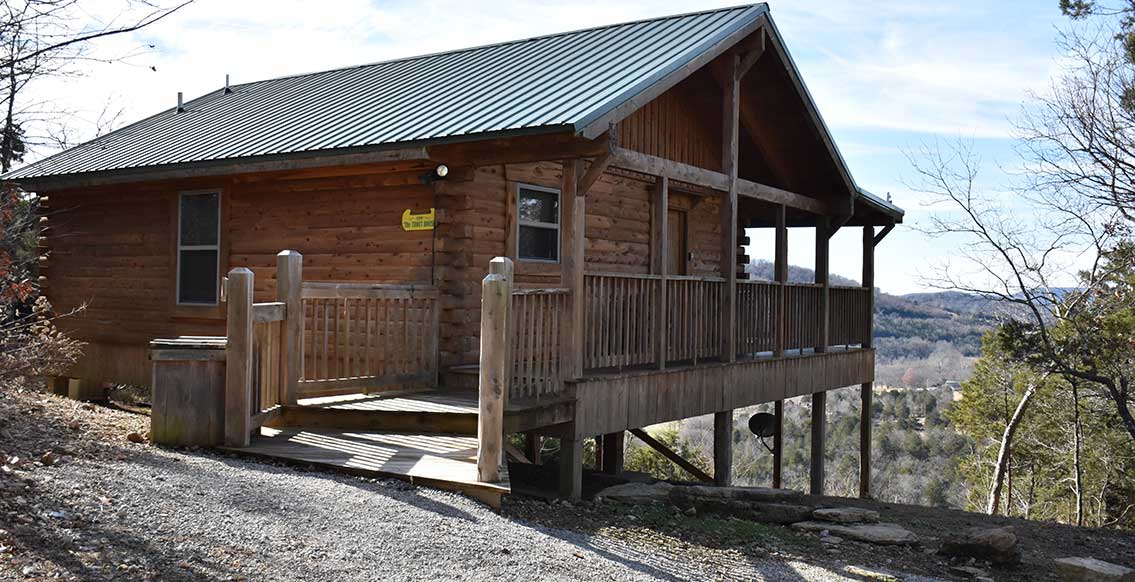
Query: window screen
x=198, y=248
x=538, y=224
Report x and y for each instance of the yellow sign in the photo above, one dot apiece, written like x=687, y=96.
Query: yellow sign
x=411, y=221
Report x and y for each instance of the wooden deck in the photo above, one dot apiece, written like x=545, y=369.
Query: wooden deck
x=434, y=460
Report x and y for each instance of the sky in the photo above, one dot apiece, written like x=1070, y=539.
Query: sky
x=887, y=76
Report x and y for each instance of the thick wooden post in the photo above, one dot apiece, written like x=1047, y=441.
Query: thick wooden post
x=777, y=443
x=613, y=452
x=723, y=448
x=573, y=209
x=496, y=291
x=533, y=447
x=730, y=138
x=780, y=275
x=662, y=268
x=571, y=467
x=238, y=358
x=819, y=441
x=866, y=390
x=289, y=290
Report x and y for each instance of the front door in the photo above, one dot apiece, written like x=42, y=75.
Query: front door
x=677, y=251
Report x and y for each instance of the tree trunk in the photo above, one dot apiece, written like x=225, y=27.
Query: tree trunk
x=1077, y=436
x=1003, y=455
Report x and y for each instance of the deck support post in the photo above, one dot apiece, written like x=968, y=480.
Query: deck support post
x=571, y=467
x=823, y=238
x=780, y=275
x=866, y=392
x=574, y=212
x=819, y=441
x=613, y=452
x=533, y=445
x=289, y=290
x=777, y=444
x=496, y=292
x=723, y=448
x=238, y=358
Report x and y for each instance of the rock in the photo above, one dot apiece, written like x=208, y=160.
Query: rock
x=1092, y=570
x=969, y=571
x=883, y=534
x=637, y=492
x=49, y=458
x=846, y=515
x=135, y=437
x=75, y=424
x=831, y=540
x=995, y=545
x=870, y=574
x=691, y=511
x=753, y=494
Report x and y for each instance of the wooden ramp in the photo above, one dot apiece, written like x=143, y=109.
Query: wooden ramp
x=434, y=460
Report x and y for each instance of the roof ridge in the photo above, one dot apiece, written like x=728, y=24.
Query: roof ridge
x=763, y=5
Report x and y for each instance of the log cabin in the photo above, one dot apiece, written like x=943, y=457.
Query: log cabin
x=390, y=267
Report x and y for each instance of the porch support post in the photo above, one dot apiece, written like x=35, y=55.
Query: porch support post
x=533, y=443
x=238, y=358
x=613, y=452
x=662, y=267
x=866, y=391
x=574, y=212
x=777, y=443
x=820, y=399
x=571, y=467
x=730, y=139
x=780, y=274
x=723, y=448
x=819, y=420
x=289, y=290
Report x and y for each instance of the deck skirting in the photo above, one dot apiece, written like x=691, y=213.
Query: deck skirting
x=617, y=402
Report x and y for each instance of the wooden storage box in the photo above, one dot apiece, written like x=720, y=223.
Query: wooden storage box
x=188, y=391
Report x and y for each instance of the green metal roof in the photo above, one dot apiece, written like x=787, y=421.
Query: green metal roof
x=550, y=83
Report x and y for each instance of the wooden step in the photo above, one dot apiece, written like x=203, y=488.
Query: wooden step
x=433, y=460
x=464, y=377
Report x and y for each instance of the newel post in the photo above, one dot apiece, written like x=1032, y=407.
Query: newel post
x=496, y=293
x=238, y=358
x=289, y=290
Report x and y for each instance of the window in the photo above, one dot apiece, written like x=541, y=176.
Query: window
x=198, y=247
x=538, y=224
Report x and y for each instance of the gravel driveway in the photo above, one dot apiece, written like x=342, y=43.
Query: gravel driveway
x=105, y=508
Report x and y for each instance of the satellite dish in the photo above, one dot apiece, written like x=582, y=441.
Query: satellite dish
x=762, y=424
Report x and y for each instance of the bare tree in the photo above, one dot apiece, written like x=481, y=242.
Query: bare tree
x=42, y=39
x=1058, y=258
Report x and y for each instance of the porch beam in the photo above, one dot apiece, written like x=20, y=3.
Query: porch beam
x=723, y=448
x=594, y=172
x=612, y=456
x=671, y=455
x=780, y=275
x=754, y=54
x=883, y=234
x=718, y=181
x=823, y=245
x=777, y=444
x=571, y=467
x=819, y=442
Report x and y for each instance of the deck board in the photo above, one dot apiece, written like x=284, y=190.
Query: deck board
x=437, y=460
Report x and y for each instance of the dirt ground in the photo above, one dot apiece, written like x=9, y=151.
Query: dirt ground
x=39, y=432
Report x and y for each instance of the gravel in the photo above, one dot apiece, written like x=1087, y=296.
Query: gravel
x=105, y=508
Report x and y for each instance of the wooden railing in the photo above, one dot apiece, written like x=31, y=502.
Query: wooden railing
x=802, y=315
x=848, y=317
x=267, y=371
x=620, y=316
x=537, y=340
x=256, y=357
x=756, y=317
x=695, y=312
x=363, y=337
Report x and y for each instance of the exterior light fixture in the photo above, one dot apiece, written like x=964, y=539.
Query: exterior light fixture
x=441, y=171
x=438, y=173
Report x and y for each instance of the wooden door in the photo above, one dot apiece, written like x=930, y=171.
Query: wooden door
x=676, y=253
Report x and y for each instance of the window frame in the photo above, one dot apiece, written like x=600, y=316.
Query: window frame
x=178, y=248
x=554, y=226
